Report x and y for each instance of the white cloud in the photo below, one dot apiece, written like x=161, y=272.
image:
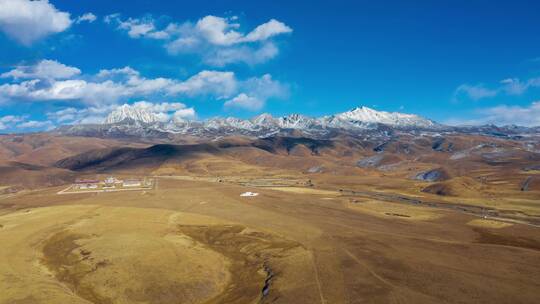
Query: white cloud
x=104, y=90
x=33, y=84
x=474, y=92
x=509, y=86
x=125, y=71
x=217, y=40
x=528, y=116
x=220, y=31
x=137, y=28
x=35, y=124
x=20, y=122
x=184, y=114
x=160, y=107
x=45, y=69
x=244, y=101
x=28, y=21
x=221, y=84
x=505, y=115
x=39, y=90
x=265, y=87
x=217, y=30
x=243, y=53
x=109, y=19
x=256, y=91
x=88, y=17
x=8, y=121
x=88, y=115
x=514, y=86
x=267, y=30
x=11, y=119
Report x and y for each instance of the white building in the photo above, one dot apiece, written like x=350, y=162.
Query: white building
x=249, y=194
x=86, y=184
x=132, y=183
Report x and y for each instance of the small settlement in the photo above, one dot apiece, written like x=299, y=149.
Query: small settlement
x=110, y=183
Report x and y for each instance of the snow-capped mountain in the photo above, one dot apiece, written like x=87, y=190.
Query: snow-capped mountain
x=359, y=118
x=140, y=121
x=362, y=117
x=229, y=122
x=296, y=121
x=127, y=112
x=133, y=121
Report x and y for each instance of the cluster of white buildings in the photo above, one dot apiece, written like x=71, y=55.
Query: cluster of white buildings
x=84, y=184
x=109, y=183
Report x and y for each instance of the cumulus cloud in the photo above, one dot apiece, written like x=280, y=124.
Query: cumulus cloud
x=53, y=81
x=88, y=17
x=44, y=69
x=184, y=114
x=265, y=87
x=221, y=84
x=221, y=31
x=267, y=30
x=219, y=41
x=243, y=101
x=87, y=115
x=102, y=90
x=36, y=124
x=256, y=91
x=76, y=89
x=218, y=30
x=15, y=122
x=509, y=86
x=137, y=28
x=28, y=21
x=9, y=121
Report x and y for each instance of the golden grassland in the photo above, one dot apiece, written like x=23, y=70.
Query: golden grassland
x=401, y=211
x=489, y=223
x=195, y=240
x=305, y=190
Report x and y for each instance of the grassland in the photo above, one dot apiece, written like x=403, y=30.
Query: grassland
x=198, y=241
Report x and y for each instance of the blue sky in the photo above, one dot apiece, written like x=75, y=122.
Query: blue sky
x=457, y=62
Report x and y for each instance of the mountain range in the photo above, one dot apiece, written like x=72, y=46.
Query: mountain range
x=132, y=121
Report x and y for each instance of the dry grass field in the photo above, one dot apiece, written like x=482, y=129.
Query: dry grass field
x=322, y=229
x=194, y=241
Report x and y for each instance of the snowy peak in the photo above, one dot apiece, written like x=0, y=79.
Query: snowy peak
x=371, y=116
x=131, y=113
x=229, y=122
x=264, y=120
x=296, y=121
x=358, y=119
